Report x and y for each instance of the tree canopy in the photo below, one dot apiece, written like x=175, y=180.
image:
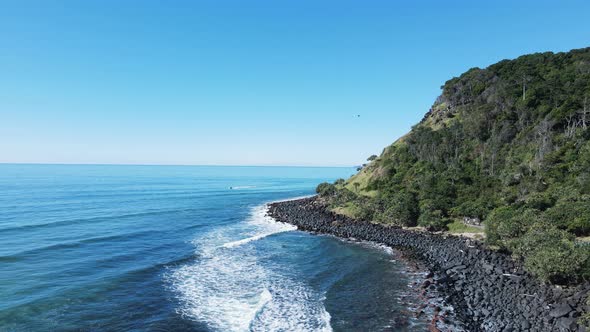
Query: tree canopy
x=508, y=144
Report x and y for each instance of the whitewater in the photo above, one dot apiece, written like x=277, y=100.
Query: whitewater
x=173, y=248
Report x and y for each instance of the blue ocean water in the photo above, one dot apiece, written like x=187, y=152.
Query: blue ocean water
x=173, y=248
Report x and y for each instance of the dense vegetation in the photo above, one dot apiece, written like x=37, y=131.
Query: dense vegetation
x=508, y=144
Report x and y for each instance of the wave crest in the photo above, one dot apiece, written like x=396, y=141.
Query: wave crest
x=230, y=289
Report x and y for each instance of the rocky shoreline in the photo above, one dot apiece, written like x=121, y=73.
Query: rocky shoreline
x=425, y=304
x=489, y=290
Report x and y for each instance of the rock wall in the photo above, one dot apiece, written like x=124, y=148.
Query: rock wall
x=489, y=290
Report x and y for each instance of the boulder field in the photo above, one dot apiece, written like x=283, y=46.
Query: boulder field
x=488, y=289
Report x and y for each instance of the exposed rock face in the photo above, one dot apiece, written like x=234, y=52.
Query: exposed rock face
x=489, y=290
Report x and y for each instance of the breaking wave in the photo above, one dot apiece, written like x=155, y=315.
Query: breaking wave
x=229, y=288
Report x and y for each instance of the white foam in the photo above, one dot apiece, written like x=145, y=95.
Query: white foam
x=230, y=290
x=294, y=308
x=216, y=292
x=291, y=199
x=264, y=226
x=370, y=244
x=242, y=187
x=247, y=240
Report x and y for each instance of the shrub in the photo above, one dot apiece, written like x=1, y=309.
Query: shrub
x=342, y=197
x=580, y=225
x=494, y=222
x=472, y=209
x=539, y=200
x=506, y=224
x=519, y=225
x=431, y=218
x=563, y=193
x=552, y=255
x=400, y=209
x=362, y=210
x=571, y=214
x=325, y=189
x=356, y=186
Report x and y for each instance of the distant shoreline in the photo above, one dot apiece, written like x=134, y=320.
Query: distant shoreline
x=489, y=291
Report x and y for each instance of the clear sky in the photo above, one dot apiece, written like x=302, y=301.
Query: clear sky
x=246, y=82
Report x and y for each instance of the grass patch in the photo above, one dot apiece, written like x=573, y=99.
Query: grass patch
x=458, y=226
x=362, y=178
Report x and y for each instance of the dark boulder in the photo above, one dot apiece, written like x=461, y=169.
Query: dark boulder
x=489, y=291
x=560, y=310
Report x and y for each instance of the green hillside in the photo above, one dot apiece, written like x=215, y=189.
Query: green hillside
x=508, y=144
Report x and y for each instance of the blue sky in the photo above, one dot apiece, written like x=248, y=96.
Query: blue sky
x=246, y=82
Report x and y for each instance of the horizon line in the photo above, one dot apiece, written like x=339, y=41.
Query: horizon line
x=196, y=165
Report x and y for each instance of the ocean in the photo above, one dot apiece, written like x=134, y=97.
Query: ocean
x=184, y=248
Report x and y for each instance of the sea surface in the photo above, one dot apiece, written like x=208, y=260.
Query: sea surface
x=183, y=248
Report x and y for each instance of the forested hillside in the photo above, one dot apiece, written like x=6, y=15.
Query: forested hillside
x=508, y=144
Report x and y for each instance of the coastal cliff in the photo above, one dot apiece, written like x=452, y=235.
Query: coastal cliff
x=488, y=289
x=504, y=155
x=505, y=148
